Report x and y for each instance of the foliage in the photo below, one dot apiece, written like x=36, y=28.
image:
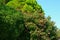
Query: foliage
x=25, y=20
x=58, y=33
x=11, y=23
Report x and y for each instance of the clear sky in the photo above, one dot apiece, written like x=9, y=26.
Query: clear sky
x=51, y=8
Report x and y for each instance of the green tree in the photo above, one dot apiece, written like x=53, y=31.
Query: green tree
x=11, y=23
x=25, y=20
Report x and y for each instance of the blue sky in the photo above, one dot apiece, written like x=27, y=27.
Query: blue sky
x=51, y=8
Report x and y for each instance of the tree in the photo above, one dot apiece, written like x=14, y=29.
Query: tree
x=25, y=20
x=11, y=23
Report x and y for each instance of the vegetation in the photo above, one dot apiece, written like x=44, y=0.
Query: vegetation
x=25, y=20
x=58, y=33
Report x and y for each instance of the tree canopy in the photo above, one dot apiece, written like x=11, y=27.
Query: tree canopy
x=25, y=20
